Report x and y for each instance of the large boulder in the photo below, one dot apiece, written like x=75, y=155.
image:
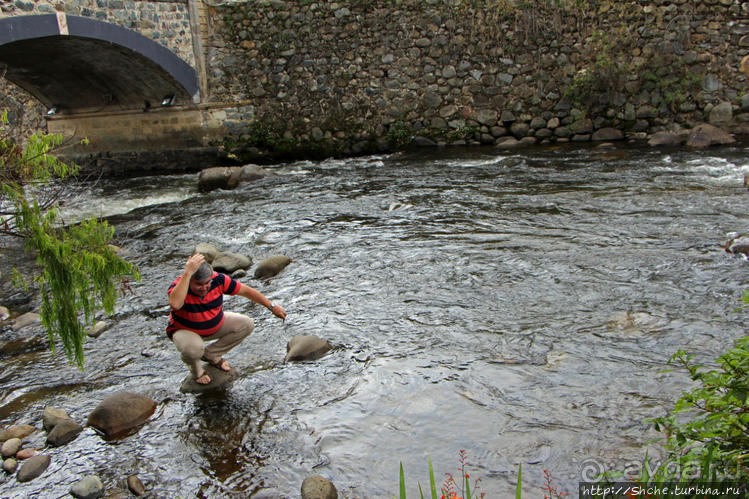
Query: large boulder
x=219, y=177
x=708, y=135
x=120, y=413
x=209, y=251
x=228, y=262
x=666, y=139
x=606, y=135
x=306, y=347
x=271, y=266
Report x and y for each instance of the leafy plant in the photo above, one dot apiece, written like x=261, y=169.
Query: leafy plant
x=399, y=134
x=78, y=266
x=716, y=438
x=603, y=75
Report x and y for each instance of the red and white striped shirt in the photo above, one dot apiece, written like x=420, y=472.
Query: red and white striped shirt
x=203, y=315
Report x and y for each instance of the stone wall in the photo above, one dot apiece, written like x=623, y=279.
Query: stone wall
x=477, y=71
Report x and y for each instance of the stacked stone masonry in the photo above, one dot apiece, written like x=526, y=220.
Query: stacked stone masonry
x=480, y=71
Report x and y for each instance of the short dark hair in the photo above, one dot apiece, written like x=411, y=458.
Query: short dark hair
x=205, y=271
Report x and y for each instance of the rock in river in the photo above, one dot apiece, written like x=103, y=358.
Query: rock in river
x=271, y=266
x=209, y=251
x=737, y=244
x=306, y=347
x=318, y=487
x=228, y=262
x=219, y=378
x=89, y=487
x=64, y=432
x=33, y=467
x=10, y=447
x=121, y=412
x=53, y=415
x=17, y=431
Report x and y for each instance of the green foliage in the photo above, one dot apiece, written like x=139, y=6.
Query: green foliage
x=463, y=132
x=605, y=74
x=78, y=266
x=676, y=86
x=715, y=440
x=399, y=135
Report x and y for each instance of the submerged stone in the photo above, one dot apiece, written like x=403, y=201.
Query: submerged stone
x=306, y=347
x=135, y=485
x=271, y=266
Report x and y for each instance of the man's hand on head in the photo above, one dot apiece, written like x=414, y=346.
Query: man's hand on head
x=193, y=263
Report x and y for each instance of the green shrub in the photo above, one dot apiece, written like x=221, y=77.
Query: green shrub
x=715, y=438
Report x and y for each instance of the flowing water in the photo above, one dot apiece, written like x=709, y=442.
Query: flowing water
x=519, y=306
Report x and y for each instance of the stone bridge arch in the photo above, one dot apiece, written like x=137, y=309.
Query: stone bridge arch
x=79, y=64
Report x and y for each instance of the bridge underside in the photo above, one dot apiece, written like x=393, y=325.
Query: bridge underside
x=91, y=66
x=87, y=75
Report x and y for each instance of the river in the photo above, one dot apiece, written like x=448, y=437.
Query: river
x=521, y=306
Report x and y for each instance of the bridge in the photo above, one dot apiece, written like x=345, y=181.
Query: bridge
x=78, y=64
x=128, y=79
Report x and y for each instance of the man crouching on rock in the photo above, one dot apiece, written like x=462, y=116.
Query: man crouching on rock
x=196, y=299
